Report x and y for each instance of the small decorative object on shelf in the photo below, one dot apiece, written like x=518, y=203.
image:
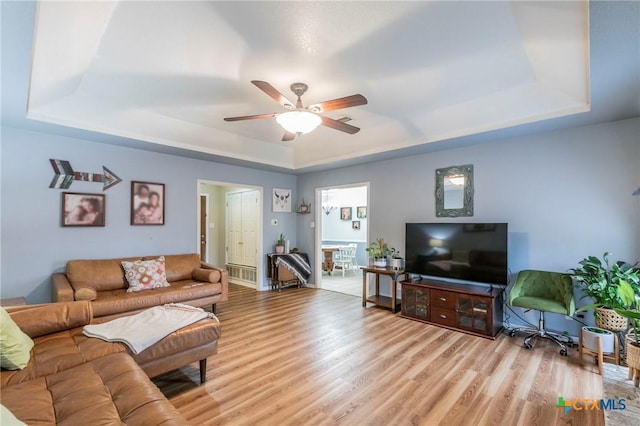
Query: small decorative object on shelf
x=379, y=252
x=305, y=208
x=395, y=261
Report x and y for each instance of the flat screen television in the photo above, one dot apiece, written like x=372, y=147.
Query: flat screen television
x=475, y=252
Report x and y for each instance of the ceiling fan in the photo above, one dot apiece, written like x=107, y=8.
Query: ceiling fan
x=300, y=120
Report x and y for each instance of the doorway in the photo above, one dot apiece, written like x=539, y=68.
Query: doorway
x=230, y=234
x=342, y=237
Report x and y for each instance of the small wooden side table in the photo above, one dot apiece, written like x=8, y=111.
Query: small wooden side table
x=376, y=299
x=280, y=276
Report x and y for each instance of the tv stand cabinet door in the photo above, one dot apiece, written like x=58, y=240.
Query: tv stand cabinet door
x=415, y=302
x=474, y=313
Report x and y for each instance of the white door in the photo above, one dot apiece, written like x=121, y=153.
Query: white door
x=234, y=228
x=242, y=227
x=250, y=202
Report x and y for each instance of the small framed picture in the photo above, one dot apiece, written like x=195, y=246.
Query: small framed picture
x=361, y=212
x=281, y=200
x=345, y=213
x=355, y=224
x=80, y=209
x=147, y=203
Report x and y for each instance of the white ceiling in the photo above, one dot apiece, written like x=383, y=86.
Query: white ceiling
x=169, y=72
x=613, y=58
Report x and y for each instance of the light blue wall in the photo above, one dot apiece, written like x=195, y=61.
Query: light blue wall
x=34, y=244
x=336, y=229
x=565, y=194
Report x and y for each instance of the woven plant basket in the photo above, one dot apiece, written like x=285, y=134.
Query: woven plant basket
x=633, y=360
x=633, y=356
x=610, y=320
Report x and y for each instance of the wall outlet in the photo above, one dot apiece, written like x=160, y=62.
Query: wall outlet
x=274, y=222
x=312, y=225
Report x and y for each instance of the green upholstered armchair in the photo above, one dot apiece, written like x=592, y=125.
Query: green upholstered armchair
x=545, y=292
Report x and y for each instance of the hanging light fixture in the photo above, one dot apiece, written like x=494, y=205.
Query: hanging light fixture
x=299, y=121
x=326, y=208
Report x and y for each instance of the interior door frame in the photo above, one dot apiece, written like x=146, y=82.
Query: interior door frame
x=206, y=230
x=260, y=285
x=319, y=255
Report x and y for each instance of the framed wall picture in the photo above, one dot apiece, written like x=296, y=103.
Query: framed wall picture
x=345, y=213
x=361, y=212
x=80, y=209
x=355, y=224
x=281, y=200
x=147, y=203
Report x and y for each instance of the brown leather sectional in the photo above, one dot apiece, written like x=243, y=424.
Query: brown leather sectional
x=103, y=283
x=73, y=379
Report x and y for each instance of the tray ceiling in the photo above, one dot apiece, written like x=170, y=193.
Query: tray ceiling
x=169, y=72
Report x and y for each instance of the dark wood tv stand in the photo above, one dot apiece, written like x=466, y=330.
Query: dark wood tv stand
x=473, y=309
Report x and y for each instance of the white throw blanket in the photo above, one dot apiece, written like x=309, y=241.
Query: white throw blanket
x=142, y=330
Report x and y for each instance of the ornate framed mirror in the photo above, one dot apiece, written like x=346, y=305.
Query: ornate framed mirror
x=454, y=191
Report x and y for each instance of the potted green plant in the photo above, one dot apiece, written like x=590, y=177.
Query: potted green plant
x=378, y=251
x=395, y=261
x=591, y=335
x=630, y=296
x=599, y=280
x=280, y=243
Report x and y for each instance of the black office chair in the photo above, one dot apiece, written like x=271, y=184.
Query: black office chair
x=545, y=292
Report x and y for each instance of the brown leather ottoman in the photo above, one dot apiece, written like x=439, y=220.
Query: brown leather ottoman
x=192, y=343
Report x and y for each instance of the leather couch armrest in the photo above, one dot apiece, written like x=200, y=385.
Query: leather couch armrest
x=61, y=288
x=39, y=320
x=224, y=279
x=205, y=265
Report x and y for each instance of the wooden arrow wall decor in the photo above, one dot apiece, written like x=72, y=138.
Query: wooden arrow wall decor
x=65, y=176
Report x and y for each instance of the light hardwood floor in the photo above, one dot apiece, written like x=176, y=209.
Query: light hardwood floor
x=315, y=357
x=351, y=283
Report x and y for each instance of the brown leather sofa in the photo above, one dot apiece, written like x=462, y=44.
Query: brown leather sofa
x=73, y=379
x=103, y=282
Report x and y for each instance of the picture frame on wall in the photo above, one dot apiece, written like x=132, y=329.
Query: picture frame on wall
x=83, y=209
x=361, y=212
x=281, y=200
x=355, y=224
x=147, y=203
x=345, y=213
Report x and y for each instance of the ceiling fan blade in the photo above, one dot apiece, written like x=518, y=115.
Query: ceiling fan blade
x=273, y=93
x=251, y=117
x=346, y=102
x=339, y=125
x=288, y=136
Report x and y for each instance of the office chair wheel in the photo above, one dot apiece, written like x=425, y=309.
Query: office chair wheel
x=512, y=333
x=563, y=352
x=528, y=346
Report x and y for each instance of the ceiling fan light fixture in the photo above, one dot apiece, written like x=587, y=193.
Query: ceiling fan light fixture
x=299, y=122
